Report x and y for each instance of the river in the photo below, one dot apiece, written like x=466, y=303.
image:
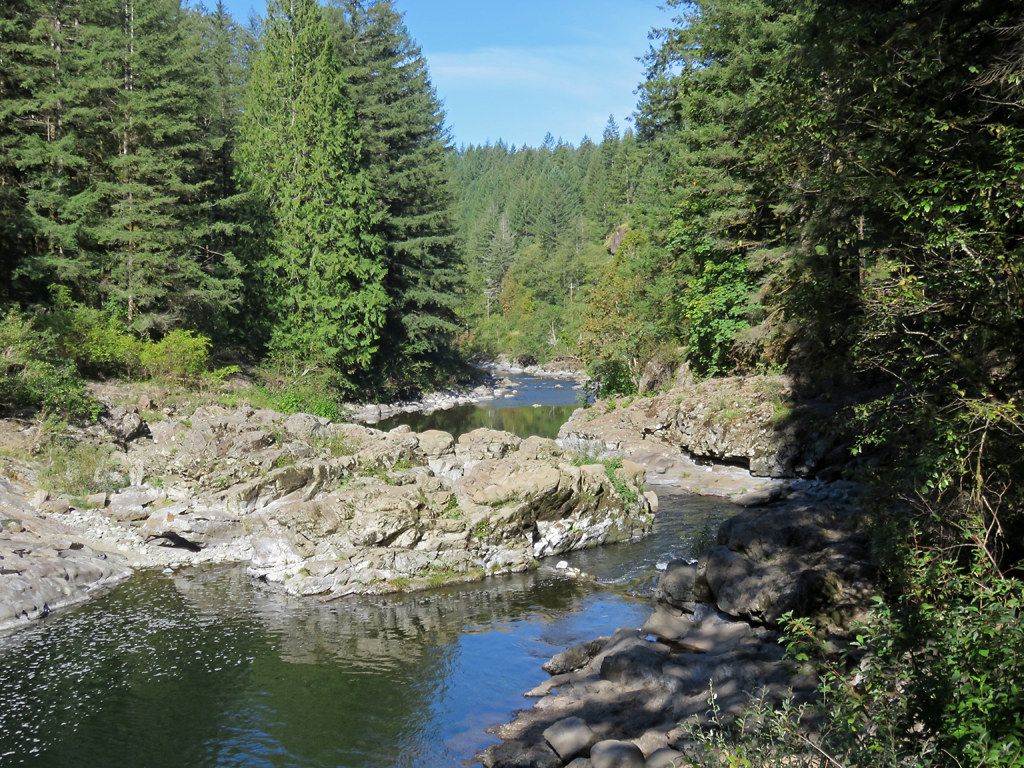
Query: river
x=207, y=668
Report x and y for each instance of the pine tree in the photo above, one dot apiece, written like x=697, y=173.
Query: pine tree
x=157, y=271
x=322, y=273
x=407, y=148
x=61, y=123
x=15, y=23
x=222, y=224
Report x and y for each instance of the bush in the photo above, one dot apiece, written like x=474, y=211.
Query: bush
x=34, y=372
x=97, y=342
x=78, y=469
x=180, y=355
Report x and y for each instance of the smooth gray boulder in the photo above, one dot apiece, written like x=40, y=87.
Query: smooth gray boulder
x=666, y=757
x=570, y=738
x=617, y=754
x=515, y=754
x=575, y=657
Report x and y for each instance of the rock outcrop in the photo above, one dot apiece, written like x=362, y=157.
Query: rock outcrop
x=730, y=436
x=45, y=565
x=335, y=509
x=714, y=629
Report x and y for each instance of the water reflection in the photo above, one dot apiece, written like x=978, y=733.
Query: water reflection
x=209, y=668
x=540, y=407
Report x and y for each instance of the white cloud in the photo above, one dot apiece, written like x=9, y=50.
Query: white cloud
x=580, y=72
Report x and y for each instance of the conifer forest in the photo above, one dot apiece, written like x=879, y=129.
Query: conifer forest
x=827, y=192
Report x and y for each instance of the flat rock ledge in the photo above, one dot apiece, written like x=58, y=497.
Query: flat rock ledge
x=320, y=508
x=742, y=438
x=634, y=698
x=45, y=565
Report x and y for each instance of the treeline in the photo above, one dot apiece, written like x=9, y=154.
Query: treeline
x=835, y=191
x=534, y=222
x=282, y=191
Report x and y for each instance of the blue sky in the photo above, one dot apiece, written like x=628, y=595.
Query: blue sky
x=516, y=70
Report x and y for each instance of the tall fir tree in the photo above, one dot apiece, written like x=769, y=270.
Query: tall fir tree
x=157, y=272
x=14, y=28
x=407, y=148
x=222, y=215
x=322, y=270
x=64, y=69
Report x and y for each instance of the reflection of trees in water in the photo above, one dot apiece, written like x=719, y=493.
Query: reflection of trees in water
x=544, y=421
x=365, y=671
x=375, y=632
x=209, y=668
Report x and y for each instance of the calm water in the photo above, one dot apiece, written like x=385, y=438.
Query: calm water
x=207, y=668
x=541, y=406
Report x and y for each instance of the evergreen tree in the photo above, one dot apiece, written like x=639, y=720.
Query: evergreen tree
x=15, y=22
x=62, y=121
x=158, y=272
x=222, y=223
x=322, y=271
x=407, y=147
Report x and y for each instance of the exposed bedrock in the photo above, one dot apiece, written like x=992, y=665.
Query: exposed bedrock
x=334, y=509
x=729, y=437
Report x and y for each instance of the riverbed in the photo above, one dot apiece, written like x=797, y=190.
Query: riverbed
x=206, y=667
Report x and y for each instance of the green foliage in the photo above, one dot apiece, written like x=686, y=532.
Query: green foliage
x=534, y=223
x=180, y=355
x=321, y=267
x=715, y=311
x=77, y=469
x=34, y=372
x=626, y=492
x=406, y=147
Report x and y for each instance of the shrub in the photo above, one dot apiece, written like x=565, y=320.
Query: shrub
x=180, y=355
x=96, y=341
x=78, y=469
x=33, y=372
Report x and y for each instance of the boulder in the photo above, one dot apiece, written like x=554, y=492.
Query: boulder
x=666, y=757
x=657, y=374
x=435, y=444
x=616, y=754
x=124, y=425
x=682, y=585
x=574, y=658
x=570, y=738
x=515, y=754
x=635, y=661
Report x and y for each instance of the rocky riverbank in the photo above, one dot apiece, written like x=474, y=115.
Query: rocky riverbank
x=633, y=699
x=710, y=648
x=316, y=507
x=742, y=438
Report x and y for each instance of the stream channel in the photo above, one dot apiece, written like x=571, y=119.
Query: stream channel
x=207, y=668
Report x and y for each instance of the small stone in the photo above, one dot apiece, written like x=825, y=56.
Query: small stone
x=562, y=565
x=39, y=497
x=570, y=738
x=55, y=506
x=96, y=500
x=617, y=754
x=168, y=571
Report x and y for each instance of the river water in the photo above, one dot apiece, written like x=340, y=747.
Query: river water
x=207, y=668
x=540, y=406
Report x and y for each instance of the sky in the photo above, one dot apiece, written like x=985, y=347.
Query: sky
x=516, y=70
